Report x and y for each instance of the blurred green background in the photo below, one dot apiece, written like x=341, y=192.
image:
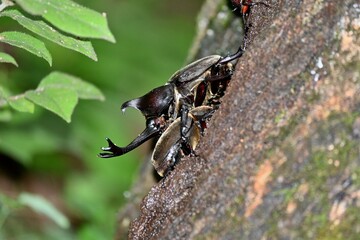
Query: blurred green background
x=42, y=154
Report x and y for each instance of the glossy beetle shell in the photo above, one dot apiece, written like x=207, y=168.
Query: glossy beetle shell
x=194, y=69
x=167, y=149
x=154, y=103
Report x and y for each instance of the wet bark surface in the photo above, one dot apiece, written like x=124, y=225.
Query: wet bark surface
x=281, y=157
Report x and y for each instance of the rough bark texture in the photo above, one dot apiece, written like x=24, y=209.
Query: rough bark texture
x=281, y=157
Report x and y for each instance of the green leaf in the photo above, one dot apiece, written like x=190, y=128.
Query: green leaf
x=43, y=206
x=6, y=58
x=43, y=29
x=70, y=17
x=20, y=103
x=59, y=93
x=58, y=100
x=26, y=42
x=84, y=89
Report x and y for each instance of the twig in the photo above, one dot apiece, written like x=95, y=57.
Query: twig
x=5, y=3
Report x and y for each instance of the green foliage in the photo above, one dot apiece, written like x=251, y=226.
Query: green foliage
x=28, y=43
x=36, y=203
x=21, y=103
x=41, y=205
x=59, y=18
x=58, y=160
x=61, y=101
x=42, y=29
x=59, y=93
x=70, y=17
x=6, y=58
x=60, y=80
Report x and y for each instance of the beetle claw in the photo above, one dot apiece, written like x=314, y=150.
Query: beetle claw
x=106, y=155
x=111, y=144
x=105, y=148
x=112, y=148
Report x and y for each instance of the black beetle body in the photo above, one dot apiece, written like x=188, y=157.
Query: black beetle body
x=177, y=112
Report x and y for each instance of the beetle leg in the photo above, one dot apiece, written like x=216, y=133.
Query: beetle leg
x=185, y=126
x=202, y=112
x=188, y=119
x=187, y=149
x=150, y=131
x=234, y=56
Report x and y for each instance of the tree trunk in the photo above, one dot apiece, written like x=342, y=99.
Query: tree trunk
x=281, y=157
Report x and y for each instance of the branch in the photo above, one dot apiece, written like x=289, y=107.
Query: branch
x=286, y=161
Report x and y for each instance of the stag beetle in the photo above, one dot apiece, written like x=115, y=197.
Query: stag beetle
x=176, y=113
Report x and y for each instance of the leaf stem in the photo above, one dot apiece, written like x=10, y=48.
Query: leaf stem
x=4, y=4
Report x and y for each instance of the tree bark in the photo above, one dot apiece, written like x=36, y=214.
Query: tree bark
x=281, y=157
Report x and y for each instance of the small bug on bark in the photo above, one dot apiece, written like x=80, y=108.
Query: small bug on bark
x=243, y=7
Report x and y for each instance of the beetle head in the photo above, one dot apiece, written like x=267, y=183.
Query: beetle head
x=154, y=103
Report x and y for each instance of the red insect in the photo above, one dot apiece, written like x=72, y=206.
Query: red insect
x=244, y=7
